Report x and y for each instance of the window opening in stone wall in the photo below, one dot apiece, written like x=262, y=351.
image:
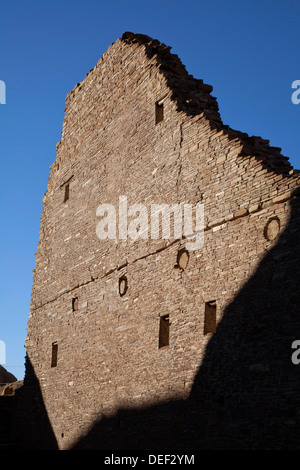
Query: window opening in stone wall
x=183, y=258
x=75, y=304
x=159, y=112
x=210, y=317
x=164, y=331
x=67, y=192
x=272, y=229
x=123, y=285
x=54, y=354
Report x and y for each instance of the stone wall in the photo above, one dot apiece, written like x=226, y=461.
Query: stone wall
x=94, y=352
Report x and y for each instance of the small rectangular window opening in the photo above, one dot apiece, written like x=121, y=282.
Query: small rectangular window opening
x=67, y=192
x=54, y=354
x=210, y=317
x=75, y=304
x=159, y=112
x=164, y=331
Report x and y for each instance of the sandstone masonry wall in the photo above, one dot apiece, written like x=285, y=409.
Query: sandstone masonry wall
x=107, y=345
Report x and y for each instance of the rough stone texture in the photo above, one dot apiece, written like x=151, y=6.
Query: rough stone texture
x=6, y=377
x=10, y=388
x=113, y=387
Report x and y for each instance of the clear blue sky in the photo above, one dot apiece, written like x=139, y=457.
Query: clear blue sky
x=247, y=50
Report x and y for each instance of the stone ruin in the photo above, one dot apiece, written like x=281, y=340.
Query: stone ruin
x=140, y=342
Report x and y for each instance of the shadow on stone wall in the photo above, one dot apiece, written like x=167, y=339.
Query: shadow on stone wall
x=246, y=392
x=247, y=379
x=32, y=428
